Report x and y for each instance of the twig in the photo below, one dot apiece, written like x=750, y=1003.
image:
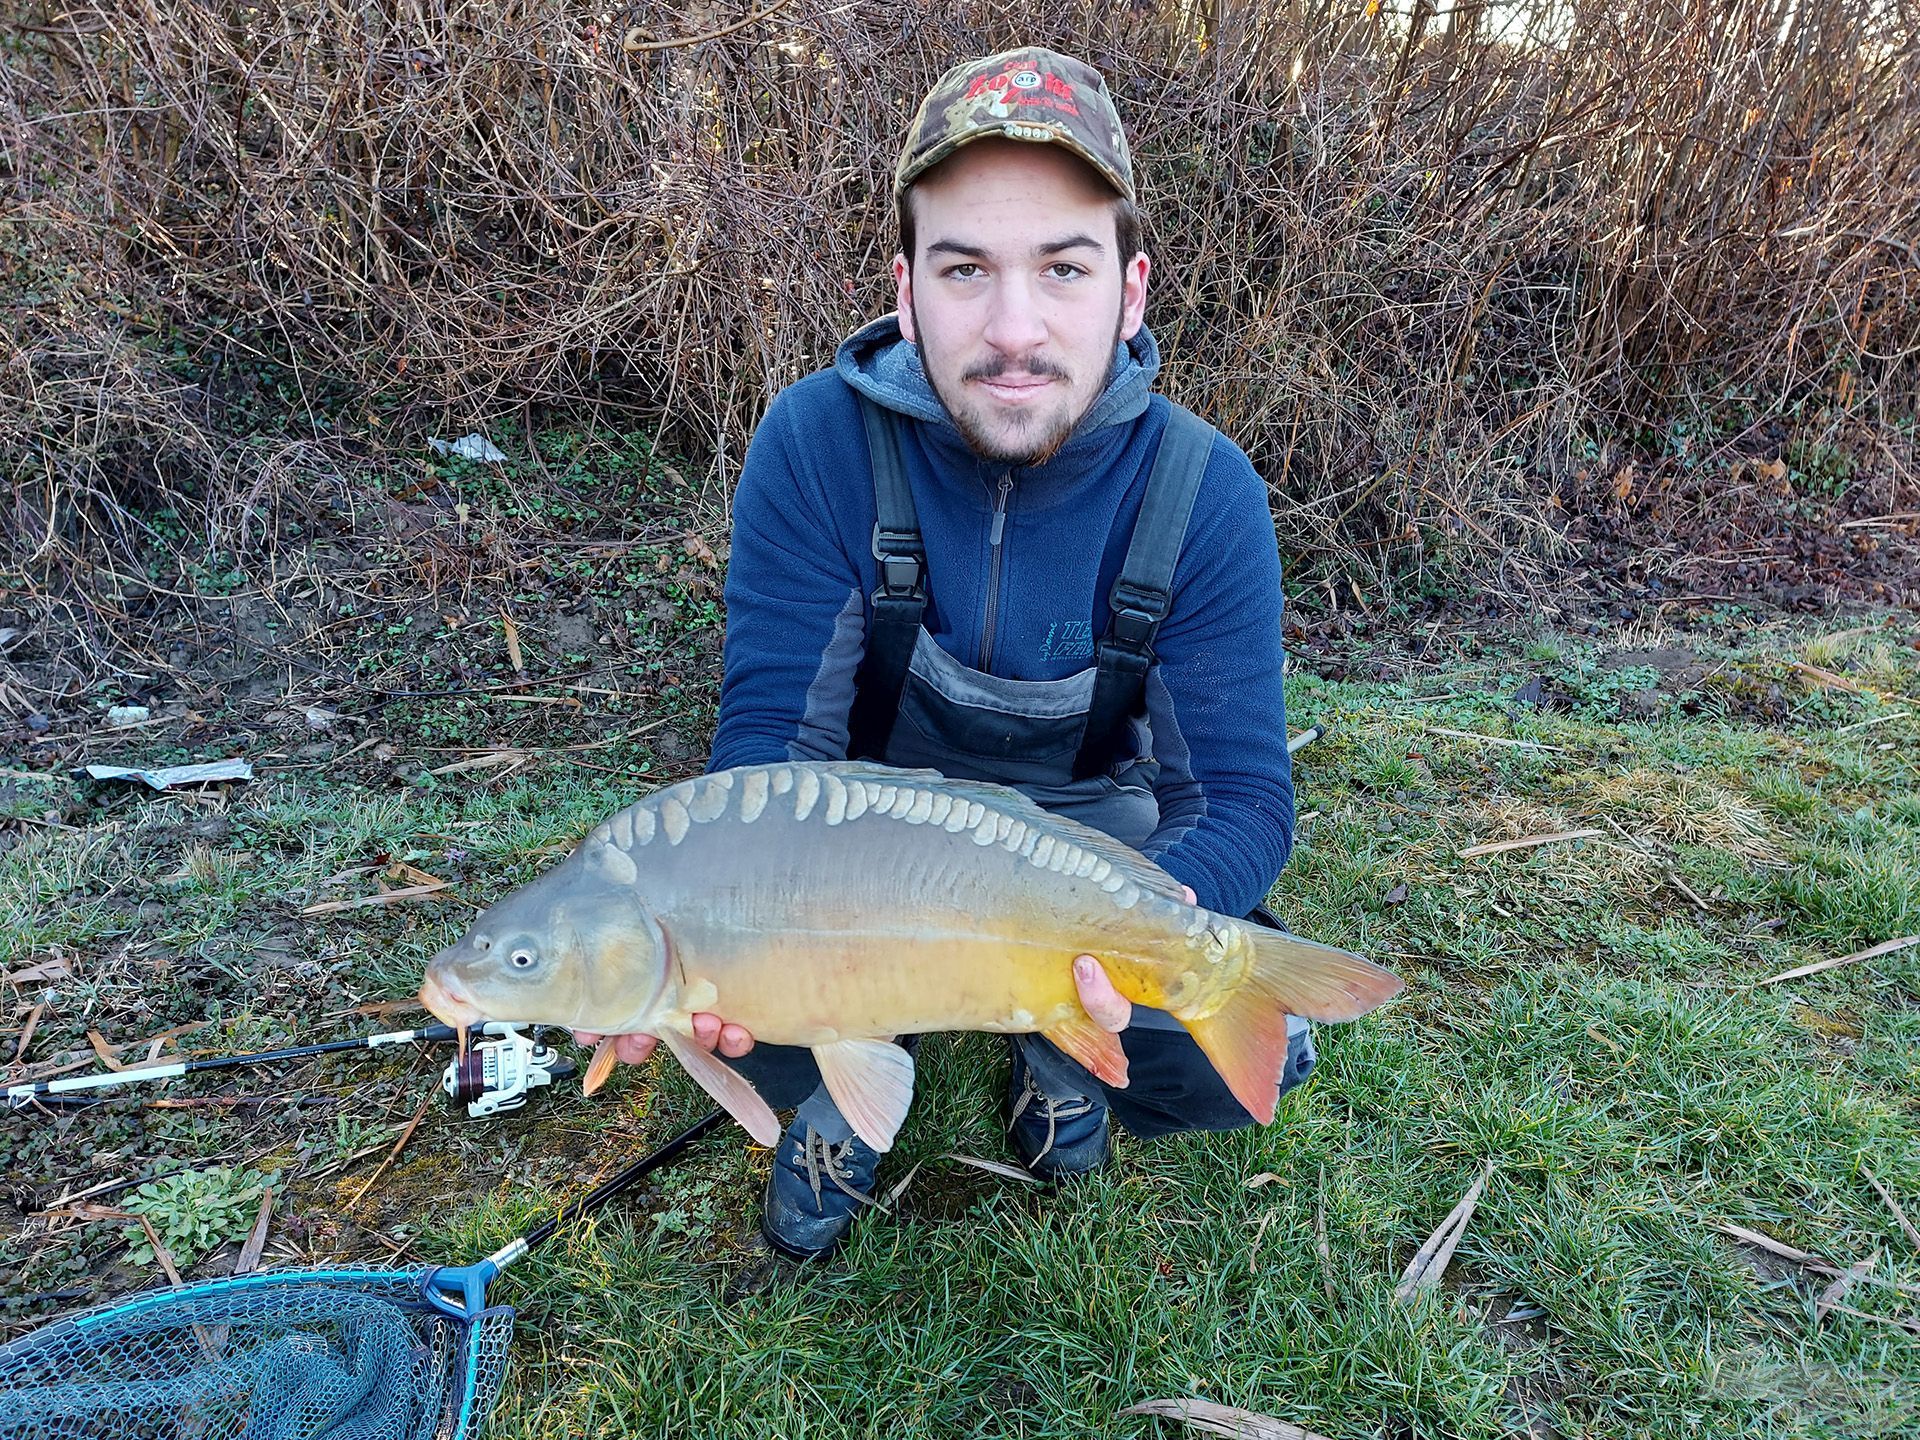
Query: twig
x=1906, y=1225
x=1876, y=720
x=394, y=1153
x=1320, y=1240
x=1493, y=739
x=1886, y=948
x=1475, y=851
x=388, y=897
x=635, y=46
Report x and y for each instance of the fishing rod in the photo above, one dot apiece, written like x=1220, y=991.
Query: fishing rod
x=493, y=1075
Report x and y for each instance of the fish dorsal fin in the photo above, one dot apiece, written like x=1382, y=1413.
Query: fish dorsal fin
x=1124, y=858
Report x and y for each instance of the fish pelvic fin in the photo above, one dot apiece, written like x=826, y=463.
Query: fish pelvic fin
x=728, y=1086
x=871, y=1082
x=600, y=1067
x=1246, y=1037
x=1097, y=1049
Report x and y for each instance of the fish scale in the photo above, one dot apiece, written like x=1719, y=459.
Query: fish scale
x=838, y=905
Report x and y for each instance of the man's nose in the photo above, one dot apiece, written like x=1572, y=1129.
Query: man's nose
x=1015, y=326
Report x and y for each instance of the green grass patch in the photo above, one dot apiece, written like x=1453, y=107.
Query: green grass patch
x=1585, y=1015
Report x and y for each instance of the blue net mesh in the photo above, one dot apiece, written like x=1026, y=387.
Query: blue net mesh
x=291, y=1355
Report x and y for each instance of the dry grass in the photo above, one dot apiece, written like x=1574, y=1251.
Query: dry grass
x=1688, y=810
x=1447, y=276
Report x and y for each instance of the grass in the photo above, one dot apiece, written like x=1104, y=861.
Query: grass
x=1586, y=1015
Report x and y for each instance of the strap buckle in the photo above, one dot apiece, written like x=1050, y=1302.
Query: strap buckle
x=1137, y=613
x=901, y=567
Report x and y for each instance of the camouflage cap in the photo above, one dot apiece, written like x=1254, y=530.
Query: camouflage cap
x=1027, y=94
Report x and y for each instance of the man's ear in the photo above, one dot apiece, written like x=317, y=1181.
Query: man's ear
x=903, y=296
x=1133, y=296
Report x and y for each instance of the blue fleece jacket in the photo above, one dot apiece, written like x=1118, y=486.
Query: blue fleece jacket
x=802, y=568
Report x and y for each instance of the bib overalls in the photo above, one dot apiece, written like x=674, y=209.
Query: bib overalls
x=1078, y=746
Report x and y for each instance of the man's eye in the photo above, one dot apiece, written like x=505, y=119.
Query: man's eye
x=965, y=271
x=1063, y=271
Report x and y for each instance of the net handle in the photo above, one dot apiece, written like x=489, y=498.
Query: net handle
x=461, y=1290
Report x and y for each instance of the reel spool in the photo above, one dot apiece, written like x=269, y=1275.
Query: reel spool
x=497, y=1073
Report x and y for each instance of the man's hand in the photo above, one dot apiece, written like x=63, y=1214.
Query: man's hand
x=1106, y=1006
x=709, y=1030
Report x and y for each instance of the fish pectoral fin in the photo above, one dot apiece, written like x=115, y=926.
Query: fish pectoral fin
x=1097, y=1049
x=872, y=1083
x=726, y=1085
x=600, y=1067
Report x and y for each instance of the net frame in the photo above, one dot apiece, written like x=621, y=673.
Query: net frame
x=339, y=1353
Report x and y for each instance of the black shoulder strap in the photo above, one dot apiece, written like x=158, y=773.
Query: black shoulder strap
x=1144, y=587
x=900, y=600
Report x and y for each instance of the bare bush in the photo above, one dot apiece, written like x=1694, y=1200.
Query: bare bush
x=1445, y=273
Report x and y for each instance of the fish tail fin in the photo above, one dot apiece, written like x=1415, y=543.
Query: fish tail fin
x=1246, y=1038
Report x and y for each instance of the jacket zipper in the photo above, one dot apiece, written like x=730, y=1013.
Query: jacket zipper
x=993, y=570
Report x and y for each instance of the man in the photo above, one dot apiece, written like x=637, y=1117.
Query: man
x=947, y=552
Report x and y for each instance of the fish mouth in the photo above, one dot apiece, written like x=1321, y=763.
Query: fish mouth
x=447, y=1006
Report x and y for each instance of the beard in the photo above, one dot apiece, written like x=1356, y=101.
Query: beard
x=1036, y=435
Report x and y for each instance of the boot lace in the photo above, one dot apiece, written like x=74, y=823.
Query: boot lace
x=831, y=1160
x=1052, y=1109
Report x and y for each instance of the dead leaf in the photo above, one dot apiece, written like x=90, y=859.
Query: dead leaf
x=26, y=1034
x=513, y=642
x=1222, y=1419
x=1622, y=486
x=701, y=551
x=1430, y=1261
x=1396, y=896
x=994, y=1167
x=54, y=967
x=1837, y=1291
x=109, y=1056
x=1265, y=1177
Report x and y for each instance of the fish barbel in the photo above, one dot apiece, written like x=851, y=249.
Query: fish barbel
x=838, y=905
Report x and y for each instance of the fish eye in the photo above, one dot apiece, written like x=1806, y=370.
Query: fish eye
x=522, y=960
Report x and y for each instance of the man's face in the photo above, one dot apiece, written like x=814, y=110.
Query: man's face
x=1017, y=297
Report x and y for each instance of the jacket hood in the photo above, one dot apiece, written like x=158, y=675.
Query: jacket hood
x=882, y=364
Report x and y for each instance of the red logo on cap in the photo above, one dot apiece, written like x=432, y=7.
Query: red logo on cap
x=1021, y=84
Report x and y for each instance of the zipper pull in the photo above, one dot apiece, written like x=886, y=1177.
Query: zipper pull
x=1000, y=509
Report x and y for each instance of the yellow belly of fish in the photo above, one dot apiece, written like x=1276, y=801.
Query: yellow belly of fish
x=814, y=987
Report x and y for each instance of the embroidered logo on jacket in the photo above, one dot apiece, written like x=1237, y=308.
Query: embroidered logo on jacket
x=1068, y=640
